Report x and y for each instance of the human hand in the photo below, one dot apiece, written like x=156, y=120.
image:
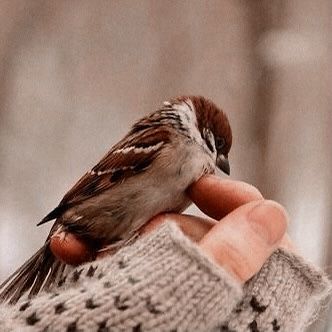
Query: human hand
x=244, y=230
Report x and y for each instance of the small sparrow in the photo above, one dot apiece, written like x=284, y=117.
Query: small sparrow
x=145, y=174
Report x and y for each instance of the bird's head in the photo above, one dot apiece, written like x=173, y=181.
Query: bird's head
x=214, y=127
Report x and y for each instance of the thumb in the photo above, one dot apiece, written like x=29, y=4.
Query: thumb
x=243, y=240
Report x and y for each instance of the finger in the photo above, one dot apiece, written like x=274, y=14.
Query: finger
x=194, y=227
x=217, y=197
x=69, y=249
x=243, y=241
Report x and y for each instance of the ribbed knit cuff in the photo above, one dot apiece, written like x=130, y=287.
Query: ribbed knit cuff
x=160, y=283
x=284, y=296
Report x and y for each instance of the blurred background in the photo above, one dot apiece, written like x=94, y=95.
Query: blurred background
x=76, y=74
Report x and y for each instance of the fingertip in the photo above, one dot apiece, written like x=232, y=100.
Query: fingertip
x=245, y=238
x=280, y=209
x=269, y=219
x=70, y=250
x=249, y=191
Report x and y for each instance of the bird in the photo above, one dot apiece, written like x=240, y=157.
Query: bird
x=146, y=173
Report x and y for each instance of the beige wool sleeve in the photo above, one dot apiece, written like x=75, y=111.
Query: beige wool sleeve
x=163, y=282
x=160, y=283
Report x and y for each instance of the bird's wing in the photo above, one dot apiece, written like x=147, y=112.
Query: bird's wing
x=134, y=154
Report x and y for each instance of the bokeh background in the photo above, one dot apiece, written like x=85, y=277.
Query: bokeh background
x=76, y=74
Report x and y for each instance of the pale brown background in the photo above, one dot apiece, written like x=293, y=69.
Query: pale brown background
x=75, y=75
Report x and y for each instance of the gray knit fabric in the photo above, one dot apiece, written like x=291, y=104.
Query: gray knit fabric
x=285, y=295
x=164, y=283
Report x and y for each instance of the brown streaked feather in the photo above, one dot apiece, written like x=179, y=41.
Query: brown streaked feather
x=114, y=167
x=143, y=138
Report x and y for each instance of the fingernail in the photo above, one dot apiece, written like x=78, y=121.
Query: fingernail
x=269, y=220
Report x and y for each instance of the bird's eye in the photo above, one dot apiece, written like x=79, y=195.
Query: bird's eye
x=220, y=143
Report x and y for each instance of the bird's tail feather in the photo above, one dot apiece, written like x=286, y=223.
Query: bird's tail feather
x=39, y=272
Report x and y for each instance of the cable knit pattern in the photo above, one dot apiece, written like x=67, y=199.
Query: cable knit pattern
x=163, y=282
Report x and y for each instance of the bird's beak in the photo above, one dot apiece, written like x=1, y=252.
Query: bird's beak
x=223, y=164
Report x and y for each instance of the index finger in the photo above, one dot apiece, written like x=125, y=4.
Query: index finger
x=217, y=197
